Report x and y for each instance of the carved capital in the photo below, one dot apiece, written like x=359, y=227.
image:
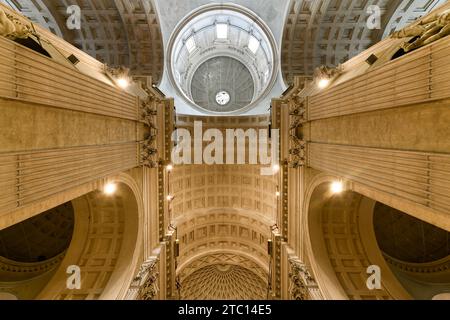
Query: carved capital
x=300, y=281
x=146, y=280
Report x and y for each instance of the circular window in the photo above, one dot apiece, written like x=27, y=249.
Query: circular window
x=223, y=98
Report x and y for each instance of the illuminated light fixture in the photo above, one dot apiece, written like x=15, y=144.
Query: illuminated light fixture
x=170, y=198
x=323, y=83
x=278, y=193
x=120, y=76
x=253, y=44
x=190, y=44
x=123, y=82
x=169, y=167
x=276, y=168
x=337, y=187
x=110, y=189
x=222, y=31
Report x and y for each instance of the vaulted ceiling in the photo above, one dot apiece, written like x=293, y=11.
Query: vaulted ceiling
x=116, y=32
x=330, y=32
x=319, y=32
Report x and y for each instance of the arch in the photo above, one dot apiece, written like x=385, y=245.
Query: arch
x=107, y=244
x=4, y=296
x=341, y=244
x=442, y=296
x=197, y=261
x=222, y=230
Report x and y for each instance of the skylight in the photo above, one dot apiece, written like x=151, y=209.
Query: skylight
x=253, y=44
x=222, y=31
x=190, y=44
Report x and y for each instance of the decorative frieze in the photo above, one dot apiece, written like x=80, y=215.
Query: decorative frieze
x=149, y=112
x=297, y=119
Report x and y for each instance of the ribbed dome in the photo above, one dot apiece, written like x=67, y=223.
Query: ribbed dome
x=224, y=282
x=222, y=74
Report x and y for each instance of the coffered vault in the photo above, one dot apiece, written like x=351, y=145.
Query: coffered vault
x=330, y=32
x=136, y=33
x=117, y=32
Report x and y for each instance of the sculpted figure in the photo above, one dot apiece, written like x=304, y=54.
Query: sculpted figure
x=13, y=27
x=6, y=25
x=327, y=72
x=428, y=30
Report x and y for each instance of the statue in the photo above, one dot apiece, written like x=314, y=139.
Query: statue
x=428, y=30
x=324, y=72
x=12, y=27
x=6, y=25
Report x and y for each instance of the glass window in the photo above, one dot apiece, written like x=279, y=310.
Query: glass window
x=253, y=44
x=222, y=31
x=190, y=44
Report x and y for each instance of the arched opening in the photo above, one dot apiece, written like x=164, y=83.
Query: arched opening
x=349, y=232
x=342, y=246
x=105, y=246
x=31, y=251
x=418, y=253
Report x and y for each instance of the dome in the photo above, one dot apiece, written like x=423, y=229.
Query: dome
x=222, y=60
x=222, y=84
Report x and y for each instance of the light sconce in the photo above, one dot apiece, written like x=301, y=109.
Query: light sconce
x=323, y=83
x=337, y=187
x=123, y=82
x=323, y=75
x=120, y=76
x=110, y=188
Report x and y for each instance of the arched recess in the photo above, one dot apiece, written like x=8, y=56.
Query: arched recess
x=106, y=245
x=219, y=248
x=32, y=250
x=341, y=244
x=417, y=253
x=223, y=274
x=222, y=230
